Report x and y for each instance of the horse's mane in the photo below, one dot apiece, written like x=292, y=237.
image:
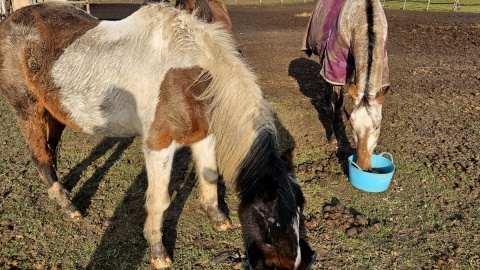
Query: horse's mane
x=368, y=43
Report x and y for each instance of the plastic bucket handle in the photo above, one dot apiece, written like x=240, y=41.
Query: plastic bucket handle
x=387, y=153
x=355, y=165
x=381, y=154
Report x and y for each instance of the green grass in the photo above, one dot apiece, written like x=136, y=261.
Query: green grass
x=471, y=6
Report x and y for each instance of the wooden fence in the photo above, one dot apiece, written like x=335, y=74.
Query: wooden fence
x=444, y=5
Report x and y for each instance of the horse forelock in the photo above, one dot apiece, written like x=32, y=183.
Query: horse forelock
x=264, y=176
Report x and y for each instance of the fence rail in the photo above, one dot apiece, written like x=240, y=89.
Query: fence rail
x=435, y=5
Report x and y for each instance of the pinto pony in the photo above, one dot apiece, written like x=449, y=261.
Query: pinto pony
x=350, y=38
x=164, y=75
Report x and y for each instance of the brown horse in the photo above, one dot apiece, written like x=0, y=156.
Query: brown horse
x=210, y=11
x=350, y=38
x=171, y=79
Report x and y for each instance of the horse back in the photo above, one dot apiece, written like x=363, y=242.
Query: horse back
x=340, y=32
x=31, y=40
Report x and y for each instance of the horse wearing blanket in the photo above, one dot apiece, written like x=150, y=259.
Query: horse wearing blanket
x=350, y=38
x=164, y=75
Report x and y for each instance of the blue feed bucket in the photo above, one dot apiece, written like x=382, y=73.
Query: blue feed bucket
x=372, y=182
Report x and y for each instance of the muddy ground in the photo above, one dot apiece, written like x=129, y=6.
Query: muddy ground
x=428, y=218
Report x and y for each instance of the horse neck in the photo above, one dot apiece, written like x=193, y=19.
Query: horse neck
x=368, y=32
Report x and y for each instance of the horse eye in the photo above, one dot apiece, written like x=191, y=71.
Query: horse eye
x=377, y=127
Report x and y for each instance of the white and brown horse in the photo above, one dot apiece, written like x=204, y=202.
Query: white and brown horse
x=170, y=78
x=350, y=38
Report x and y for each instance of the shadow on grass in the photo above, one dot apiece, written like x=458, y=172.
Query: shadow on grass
x=313, y=86
x=83, y=198
x=123, y=245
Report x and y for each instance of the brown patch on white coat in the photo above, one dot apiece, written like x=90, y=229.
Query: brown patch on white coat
x=179, y=116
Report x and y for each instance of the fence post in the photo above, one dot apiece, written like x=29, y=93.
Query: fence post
x=428, y=4
x=455, y=5
x=404, y=2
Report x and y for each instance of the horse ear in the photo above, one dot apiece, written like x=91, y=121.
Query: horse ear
x=287, y=156
x=352, y=90
x=382, y=94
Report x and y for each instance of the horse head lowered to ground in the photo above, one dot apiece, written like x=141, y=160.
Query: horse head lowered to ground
x=350, y=38
x=171, y=79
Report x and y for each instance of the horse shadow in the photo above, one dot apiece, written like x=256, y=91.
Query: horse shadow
x=83, y=198
x=307, y=74
x=122, y=244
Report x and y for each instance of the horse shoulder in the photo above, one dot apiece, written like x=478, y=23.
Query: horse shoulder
x=179, y=115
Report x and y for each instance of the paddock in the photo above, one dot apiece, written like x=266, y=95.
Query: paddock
x=427, y=218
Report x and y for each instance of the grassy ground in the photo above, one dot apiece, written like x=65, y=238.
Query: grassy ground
x=427, y=219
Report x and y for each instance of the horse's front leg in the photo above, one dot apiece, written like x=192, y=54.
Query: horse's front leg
x=336, y=105
x=206, y=167
x=159, y=166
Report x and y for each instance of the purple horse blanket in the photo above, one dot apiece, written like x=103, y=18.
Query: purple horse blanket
x=323, y=38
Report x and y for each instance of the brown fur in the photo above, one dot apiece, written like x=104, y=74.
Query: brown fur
x=187, y=125
x=34, y=45
x=208, y=10
x=40, y=50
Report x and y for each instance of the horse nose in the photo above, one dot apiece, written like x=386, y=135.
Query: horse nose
x=364, y=161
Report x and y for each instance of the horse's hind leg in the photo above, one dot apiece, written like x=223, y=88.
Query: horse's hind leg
x=206, y=166
x=43, y=133
x=159, y=166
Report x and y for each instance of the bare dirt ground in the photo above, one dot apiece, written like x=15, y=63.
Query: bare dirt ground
x=429, y=218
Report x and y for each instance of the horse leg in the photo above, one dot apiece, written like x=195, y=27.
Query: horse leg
x=159, y=166
x=336, y=102
x=206, y=166
x=42, y=132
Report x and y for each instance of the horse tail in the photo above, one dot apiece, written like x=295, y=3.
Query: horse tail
x=369, y=46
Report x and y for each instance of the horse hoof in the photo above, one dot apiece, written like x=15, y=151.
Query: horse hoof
x=333, y=143
x=221, y=226
x=160, y=263
x=159, y=256
x=217, y=218
x=71, y=214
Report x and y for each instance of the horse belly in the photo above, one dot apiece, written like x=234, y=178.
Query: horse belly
x=113, y=113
